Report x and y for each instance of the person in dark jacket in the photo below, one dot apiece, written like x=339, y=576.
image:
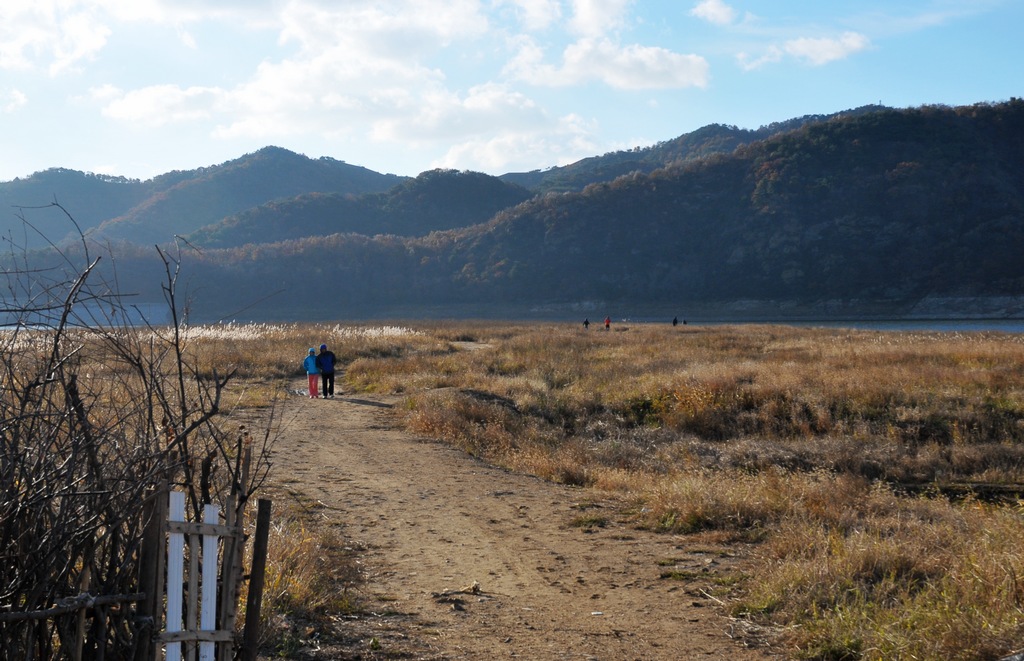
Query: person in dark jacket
x=325, y=361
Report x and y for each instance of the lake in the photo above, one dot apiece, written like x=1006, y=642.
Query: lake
x=940, y=325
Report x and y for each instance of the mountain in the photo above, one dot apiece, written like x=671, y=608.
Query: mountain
x=90, y=198
x=874, y=213
x=871, y=214
x=181, y=203
x=705, y=141
x=207, y=197
x=177, y=203
x=889, y=207
x=435, y=200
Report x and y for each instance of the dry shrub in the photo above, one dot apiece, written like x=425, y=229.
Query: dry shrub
x=780, y=435
x=749, y=503
x=310, y=574
x=480, y=424
x=97, y=417
x=413, y=373
x=914, y=579
x=566, y=464
x=249, y=394
x=275, y=351
x=892, y=406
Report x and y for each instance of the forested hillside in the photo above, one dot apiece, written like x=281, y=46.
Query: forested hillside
x=173, y=204
x=704, y=142
x=269, y=174
x=94, y=198
x=867, y=213
x=887, y=206
x=435, y=200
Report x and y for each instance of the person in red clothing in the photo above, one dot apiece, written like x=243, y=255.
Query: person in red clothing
x=607, y=323
x=313, y=373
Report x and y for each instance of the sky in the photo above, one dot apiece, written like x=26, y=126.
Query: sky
x=137, y=88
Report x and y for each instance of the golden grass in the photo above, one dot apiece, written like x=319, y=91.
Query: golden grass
x=310, y=576
x=797, y=439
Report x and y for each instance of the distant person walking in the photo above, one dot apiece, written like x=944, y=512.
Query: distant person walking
x=325, y=361
x=586, y=324
x=675, y=321
x=313, y=373
x=607, y=323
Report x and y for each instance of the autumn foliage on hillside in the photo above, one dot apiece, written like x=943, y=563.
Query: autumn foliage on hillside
x=860, y=214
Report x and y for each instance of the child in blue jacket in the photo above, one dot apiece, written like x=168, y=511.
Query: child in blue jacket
x=313, y=372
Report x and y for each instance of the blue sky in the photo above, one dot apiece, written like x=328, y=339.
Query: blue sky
x=140, y=87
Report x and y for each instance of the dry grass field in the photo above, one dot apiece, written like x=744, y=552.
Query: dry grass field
x=875, y=475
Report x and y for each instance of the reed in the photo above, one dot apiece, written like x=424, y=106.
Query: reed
x=799, y=439
x=311, y=576
x=813, y=443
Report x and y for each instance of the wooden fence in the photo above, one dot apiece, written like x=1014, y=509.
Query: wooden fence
x=199, y=619
x=190, y=582
x=198, y=625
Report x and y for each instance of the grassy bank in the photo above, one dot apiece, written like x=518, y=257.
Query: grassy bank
x=826, y=448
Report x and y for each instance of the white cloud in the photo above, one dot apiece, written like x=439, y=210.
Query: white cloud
x=250, y=13
x=403, y=30
x=157, y=105
x=771, y=55
x=816, y=51
x=356, y=63
x=635, y=66
x=535, y=15
x=714, y=11
x=621, y=67
x=528, y=62
x=595, y=18
x=42, y=34
x=104, y=94
x=80, y=37
x=11, y=100
x=134, y=10
x=558, y=142
x=62, y=35
x=444, y=116
x=326, y=92
x=187, y=40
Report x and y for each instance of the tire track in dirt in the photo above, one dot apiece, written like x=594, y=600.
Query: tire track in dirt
x=468, y=561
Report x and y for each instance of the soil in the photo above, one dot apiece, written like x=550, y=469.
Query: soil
x=463, y=560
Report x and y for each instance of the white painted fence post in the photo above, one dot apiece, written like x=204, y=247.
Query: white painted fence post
x=197, y=630
x=175, y=574
x=208, y=609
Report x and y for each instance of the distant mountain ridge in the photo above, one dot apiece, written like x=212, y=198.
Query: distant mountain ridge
x=704, y=142
x=269, y=174
x=435, y=200
x=872, y=212
x=177, y=203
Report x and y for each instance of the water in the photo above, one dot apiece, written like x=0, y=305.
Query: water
x=936, y=325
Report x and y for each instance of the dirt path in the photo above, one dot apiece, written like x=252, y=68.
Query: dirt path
x=467, y=561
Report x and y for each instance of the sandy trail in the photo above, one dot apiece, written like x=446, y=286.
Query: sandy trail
x=468, y=561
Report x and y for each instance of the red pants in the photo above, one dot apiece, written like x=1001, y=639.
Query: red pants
x=314, y=382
